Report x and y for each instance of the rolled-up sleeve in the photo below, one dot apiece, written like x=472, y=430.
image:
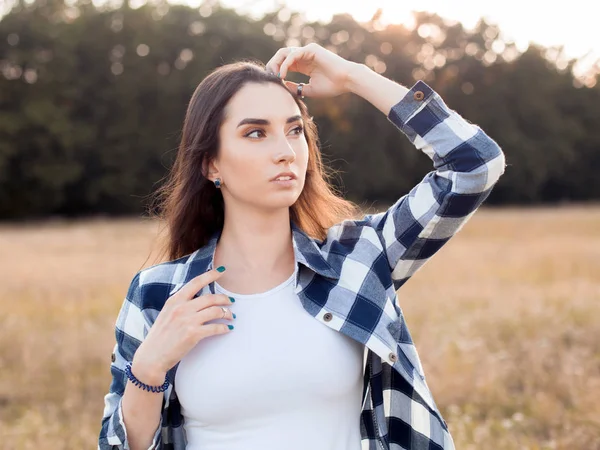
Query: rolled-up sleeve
x=467, y=164
x=130, y=330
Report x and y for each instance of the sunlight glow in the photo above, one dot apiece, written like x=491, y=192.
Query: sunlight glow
x=571, y=25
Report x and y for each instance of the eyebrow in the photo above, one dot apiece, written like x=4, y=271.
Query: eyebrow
x=254, y=121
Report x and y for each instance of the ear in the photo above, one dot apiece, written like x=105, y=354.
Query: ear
x=210, y=170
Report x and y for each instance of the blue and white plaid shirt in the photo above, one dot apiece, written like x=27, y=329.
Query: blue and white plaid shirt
x=349, y=283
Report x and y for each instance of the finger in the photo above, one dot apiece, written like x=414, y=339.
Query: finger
x=214, y=329
x=206, y=301
x=196, y=284
x=289, y=62
x=213, y=313
x=275, y=62
x=293, y=88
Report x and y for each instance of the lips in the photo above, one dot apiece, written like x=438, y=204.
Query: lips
x=284, y=176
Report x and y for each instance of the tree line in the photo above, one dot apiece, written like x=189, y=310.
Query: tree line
x=92, y=102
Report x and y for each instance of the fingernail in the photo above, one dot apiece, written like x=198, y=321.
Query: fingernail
x=221, y=269
x=230, y=327
x=232, y=299
x=279, y=74
x=233, y=315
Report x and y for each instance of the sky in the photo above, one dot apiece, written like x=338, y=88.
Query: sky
x=573, y=24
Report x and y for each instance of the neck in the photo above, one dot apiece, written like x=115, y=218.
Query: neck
x=255, y=242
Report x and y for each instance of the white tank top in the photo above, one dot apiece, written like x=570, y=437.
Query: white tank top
x=280, y=379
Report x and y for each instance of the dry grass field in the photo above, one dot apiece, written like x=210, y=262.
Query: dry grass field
x=506, y=318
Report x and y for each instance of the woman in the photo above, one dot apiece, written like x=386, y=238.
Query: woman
x=214, y=347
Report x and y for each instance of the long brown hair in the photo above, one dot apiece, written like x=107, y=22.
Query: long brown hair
x=189, y=204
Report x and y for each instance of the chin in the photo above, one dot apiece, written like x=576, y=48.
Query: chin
x=284, y=201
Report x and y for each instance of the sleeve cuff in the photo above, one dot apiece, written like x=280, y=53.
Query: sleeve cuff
x=156, y=439
x=122, y=432
x=415, y=100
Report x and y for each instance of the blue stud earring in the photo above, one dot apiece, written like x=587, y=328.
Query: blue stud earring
x=218, y=183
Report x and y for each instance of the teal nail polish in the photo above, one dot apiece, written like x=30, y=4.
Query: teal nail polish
x=221, y=269
x=232, y=299
x=279, y=74
x=233, y=315
x=230, y=327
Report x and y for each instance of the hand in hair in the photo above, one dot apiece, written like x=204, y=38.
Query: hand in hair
x=328, y=72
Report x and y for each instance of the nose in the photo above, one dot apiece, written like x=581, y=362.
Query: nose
x=285, y=153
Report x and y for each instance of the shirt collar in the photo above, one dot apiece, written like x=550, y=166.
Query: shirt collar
x=306, y=251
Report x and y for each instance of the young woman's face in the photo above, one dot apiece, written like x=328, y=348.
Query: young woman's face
x=262, y=136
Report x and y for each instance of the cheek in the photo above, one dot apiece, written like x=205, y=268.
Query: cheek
x=304, y=157
x=239, y=163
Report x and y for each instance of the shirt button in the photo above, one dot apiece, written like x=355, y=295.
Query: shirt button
x=112, y=357
x=393, y=357
x=327, y=317
x=419, y=96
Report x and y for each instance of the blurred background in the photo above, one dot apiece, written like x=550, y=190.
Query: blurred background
x=92, y=99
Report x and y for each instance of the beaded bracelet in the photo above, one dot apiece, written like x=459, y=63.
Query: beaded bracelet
x=144, y=386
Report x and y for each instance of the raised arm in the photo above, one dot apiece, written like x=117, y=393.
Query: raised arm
x=467, y=164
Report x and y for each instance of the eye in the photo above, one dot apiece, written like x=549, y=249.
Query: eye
x=253, y=131
x=299, y=130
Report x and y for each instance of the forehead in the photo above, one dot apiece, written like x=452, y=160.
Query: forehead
x=261, y=101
